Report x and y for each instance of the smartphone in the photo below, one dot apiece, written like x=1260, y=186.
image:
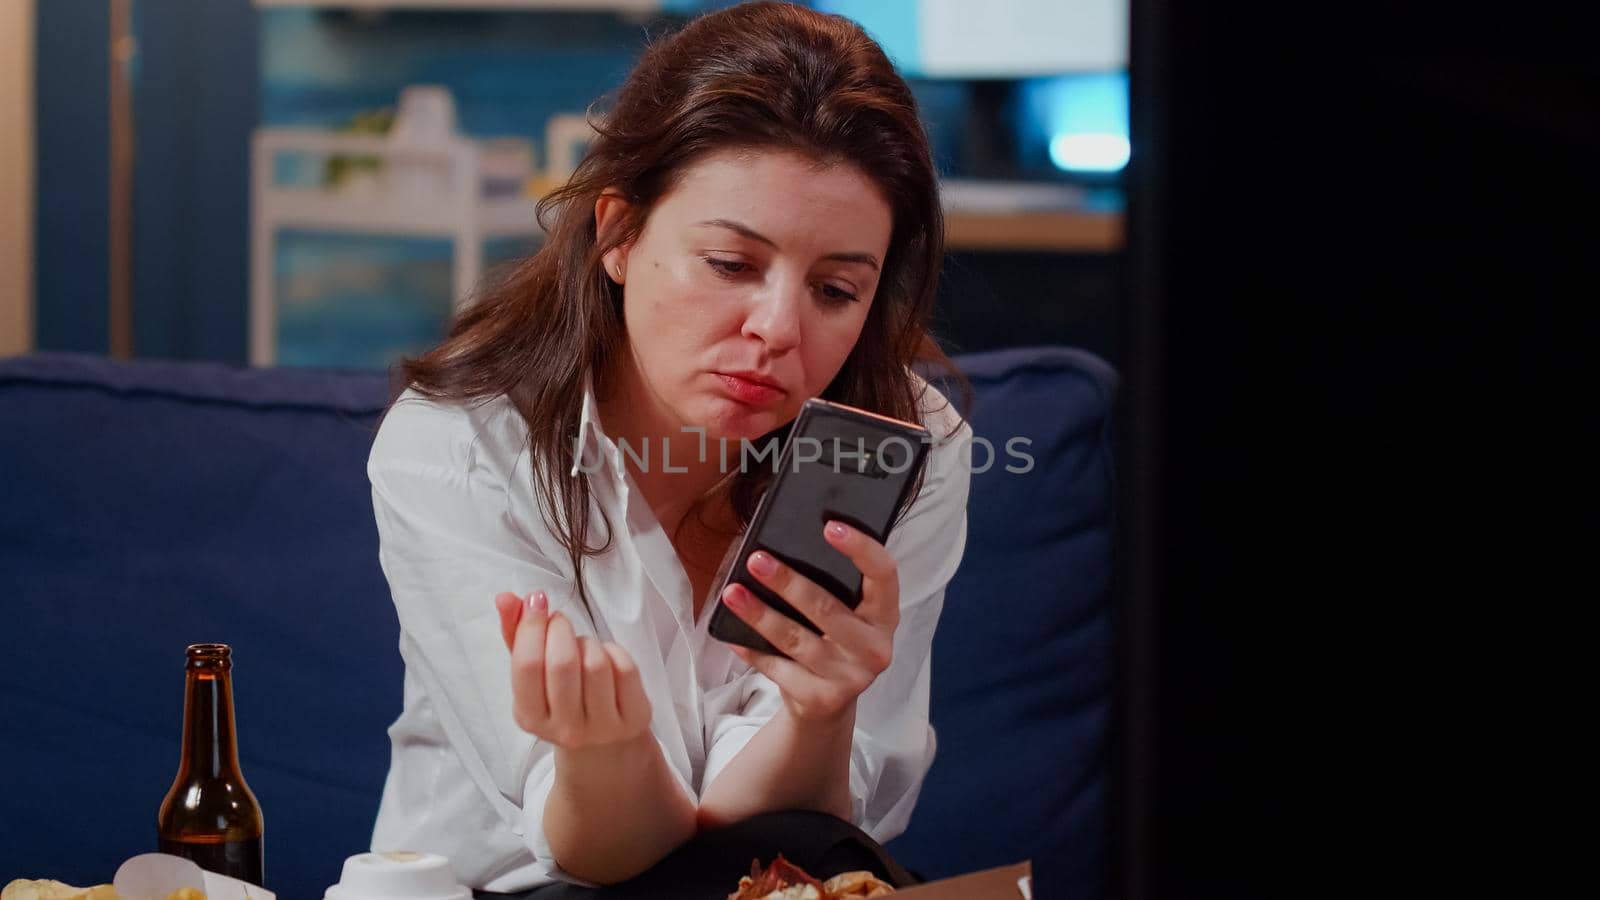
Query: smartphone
x=839, y=463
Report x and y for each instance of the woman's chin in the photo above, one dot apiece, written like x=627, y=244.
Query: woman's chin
x=732, y=420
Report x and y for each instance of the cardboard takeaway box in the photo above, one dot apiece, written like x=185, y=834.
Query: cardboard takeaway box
x=1013, y=882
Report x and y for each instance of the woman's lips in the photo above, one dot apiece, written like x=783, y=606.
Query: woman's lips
x=747, y=391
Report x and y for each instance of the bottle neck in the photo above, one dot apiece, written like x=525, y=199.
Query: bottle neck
x=209, y=747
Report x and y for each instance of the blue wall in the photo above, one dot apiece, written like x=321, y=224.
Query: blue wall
x=195, y=103
x=507, y=71
x=73, y=166
x=197, y=100
x=209, y=71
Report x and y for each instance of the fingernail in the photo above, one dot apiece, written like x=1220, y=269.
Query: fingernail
x=538, y=602
x=734, y=597
x=837, y=531
x=762, y=564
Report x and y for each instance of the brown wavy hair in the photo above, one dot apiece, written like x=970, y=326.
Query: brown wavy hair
x=755, y=76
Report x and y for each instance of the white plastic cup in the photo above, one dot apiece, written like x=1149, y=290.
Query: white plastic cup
x=398, y=875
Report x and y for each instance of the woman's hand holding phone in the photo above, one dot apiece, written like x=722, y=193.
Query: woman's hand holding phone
x=824, y=673
x=574, y=692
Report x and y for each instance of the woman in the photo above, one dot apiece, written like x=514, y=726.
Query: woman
x=757, y=223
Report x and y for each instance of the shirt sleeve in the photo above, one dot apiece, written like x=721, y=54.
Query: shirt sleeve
x=448, y=545
x=894, y=743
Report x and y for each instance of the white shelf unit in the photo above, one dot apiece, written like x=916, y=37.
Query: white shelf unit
x=454, y=209
x=980, y=215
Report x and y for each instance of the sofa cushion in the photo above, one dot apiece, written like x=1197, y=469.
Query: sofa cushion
x=1022, y=660
x=151, y=505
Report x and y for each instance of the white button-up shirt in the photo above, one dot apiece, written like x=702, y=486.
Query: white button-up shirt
x=458, y=523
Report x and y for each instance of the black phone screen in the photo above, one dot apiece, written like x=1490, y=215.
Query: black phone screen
x=839, y=463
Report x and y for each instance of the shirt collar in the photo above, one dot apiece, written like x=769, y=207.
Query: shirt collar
x=594, y=448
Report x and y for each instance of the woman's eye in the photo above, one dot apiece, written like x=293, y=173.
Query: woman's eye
x=730, y=269
x=837, y=294
x=727, y=268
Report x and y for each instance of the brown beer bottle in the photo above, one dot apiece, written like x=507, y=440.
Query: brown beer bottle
x=209, y=815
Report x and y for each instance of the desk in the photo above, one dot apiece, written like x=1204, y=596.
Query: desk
x=1027, y=216
x=1061, y=231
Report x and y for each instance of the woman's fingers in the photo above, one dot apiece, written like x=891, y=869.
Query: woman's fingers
x=509, y=606
x=812, y=600
x=795, y=640
x=816, y=603
x=880, y=574
x=563, y=677
x=804, y=689
x=599, y=689
x=528, y=649
x=633, y=704
x=823, y=676
x=568, y=689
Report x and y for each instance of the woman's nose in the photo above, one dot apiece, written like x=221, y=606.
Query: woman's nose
x=774, y=316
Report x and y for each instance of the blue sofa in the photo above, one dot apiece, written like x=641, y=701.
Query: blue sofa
x=145, y=506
